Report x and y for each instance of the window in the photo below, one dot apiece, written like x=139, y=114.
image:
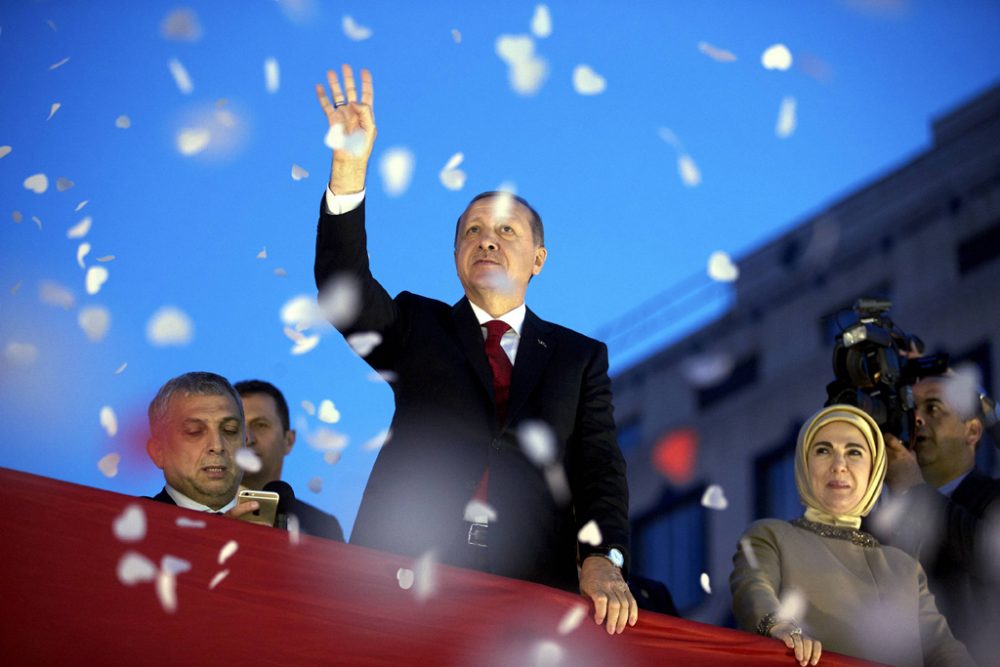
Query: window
x=979, y=248
x=775, y=495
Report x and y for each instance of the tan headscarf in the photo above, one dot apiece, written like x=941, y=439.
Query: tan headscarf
x=876, y=447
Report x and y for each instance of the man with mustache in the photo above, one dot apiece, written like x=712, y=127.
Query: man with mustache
x=503, y=445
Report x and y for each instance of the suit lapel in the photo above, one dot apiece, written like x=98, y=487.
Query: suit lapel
x=470, y=335
x=533, y=352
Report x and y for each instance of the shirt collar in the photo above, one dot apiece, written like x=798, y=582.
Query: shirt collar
x=514, y=318
x=187, y=503
x=949, y=488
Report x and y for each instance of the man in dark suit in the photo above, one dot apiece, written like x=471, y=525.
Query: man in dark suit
x=454, y=478
x=947, y=512
x=271, y=438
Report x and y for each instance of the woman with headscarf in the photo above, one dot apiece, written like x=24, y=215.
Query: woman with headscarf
x=819, y=582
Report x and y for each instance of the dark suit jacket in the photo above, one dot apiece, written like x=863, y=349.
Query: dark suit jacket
x=950, y=537
x=445, y=434
x=312, y=521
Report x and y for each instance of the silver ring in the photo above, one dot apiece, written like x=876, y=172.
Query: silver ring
x=796, y=631
x=337, y=105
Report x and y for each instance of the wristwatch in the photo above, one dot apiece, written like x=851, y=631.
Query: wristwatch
x=615, y=556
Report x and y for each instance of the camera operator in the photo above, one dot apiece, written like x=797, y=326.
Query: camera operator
x=945, y=512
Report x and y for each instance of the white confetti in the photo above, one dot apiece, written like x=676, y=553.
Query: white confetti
x=590, y=534
x=121, y=369
x=280, y=272
x=169, y=326
x=53, y=109
x=961, y=390
x=5, y=151
x=722, y=268
x=325, y=439
x=134, y=568
x=52, y=24
x=396, y=170
x=537, y=441
x=316, y=484
x=294, y=530
x=791, y=604
x=298, y=173
x=217, y=579
x=776, y=57
x=331, y=457
x=309, y=407
x=526, y=70
x=555, y=477
x=305, y=345
x=476, y=511
x=109, y=421
x=63, y=184
x=227, y=551
x=80, y=229
x=547, y=653
x=714, y=498
x=425, y=576
x=184, y=522
x=748, y=553
x=690, y=175
x=81, y=205
x=37, y=183
x=96, y=277
x=354, y=30
x=405, y=578
x=17, y=286
x=166, y=591
x=21, y=354
x=364, y=342
x=301, y=312
x=340, y=301
x=707, y=369
x=130, y=526
x=456, y=35
x=328, y=412
x=336, y=140
x=108, y=464
x=378, y=441
x=181, y=25
x=785, y=126
x=272, y=75
x=53, y=294
x=541, y=22
x=123, y=122
x=715, y=53
x=193, y=140
x=451, y=176
x=706, y=583
x=181, y=76
x=248, y=460
x=174, y=565
x=263, y=253
x=81, y=252
x=588, y=82
x=383, y=376
x=106, y=258
x=37, y=221
x=571, y=619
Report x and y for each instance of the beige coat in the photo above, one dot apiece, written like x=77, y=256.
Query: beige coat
x=866, y=602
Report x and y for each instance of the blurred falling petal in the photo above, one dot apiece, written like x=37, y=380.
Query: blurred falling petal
x=690, y=175
x=298, y=173
x=272, y=75
x=396, y=170
x=96, y=277
x=81, y=252
x=328, y=412
x=300, y=312
x=80, y=229
x=63, y=184
x=526, y=71
x=537, y=441
x=590, y=534
x=181, y=25
x=108, y=464
x=513, y=49
x=674, y=455
x=226, y=118
x=248, y=460
x=53, y=294
x=109, y=421
x=340, y=300
x=52, y=24
x=37, y=183
x=354, y=30
x=715, y=53
x=166, y=591
x=714, y=498
x=325, y=439
x=37, y=221
x=476, y=511
x=305, y=345
x=217, y=579
x=121, y=369
x=130, y=525
x=263, y=253
x=17, y=217
x=316, y=484
x=785, y=126
x=294, y=530
x=541, y=22
x=331, y=457
x=815, y=67
x=405, y=578
x=708, y=369
x=456, y=35
x=961, y=390
x=21, y=354
x=227, y=551
x=5, y=151
x=383, y=376
x=169, y=326
x=555, y=478
x=454, y=161
x=547, y=653
x=123, y=122
x=16, y=287
x=706, y=583
x=58, y=64
x=134, y=568
x=364, y=342
x=174, y=565
x=451, y=176
x=588, y=82
x=81, y=205
x=792, y=604
x=184, y=522
x=425, y=576
x=280, y=272
x=53, y=109
x=181, y=76
x=776, y=57
x=722, y=268
x=308, y=407
x=193, y=140
x=106, y=258
x=571, y=619
x=748, y=553
x=378, y=441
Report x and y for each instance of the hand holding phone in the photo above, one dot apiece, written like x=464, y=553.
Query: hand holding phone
x=267, y=511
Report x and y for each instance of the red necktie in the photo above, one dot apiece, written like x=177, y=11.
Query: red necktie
x=502, y=368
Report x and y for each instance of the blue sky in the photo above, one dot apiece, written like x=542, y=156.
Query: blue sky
x=622, y=226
